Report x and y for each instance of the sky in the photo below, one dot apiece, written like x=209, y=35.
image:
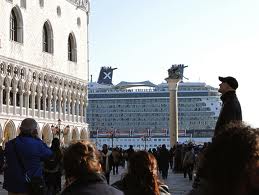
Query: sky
x=143, y=38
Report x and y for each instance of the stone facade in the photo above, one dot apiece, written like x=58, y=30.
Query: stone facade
x=44, y=67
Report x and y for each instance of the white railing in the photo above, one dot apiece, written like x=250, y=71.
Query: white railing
x=77, y=119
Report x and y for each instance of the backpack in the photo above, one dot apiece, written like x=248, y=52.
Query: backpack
x=51, y=163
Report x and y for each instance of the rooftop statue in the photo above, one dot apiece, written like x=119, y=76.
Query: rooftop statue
x=176, y=71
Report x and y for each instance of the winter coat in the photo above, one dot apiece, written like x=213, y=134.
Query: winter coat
x=91, y=184
x=230, y=111
x=106, y=161
x=32, y=151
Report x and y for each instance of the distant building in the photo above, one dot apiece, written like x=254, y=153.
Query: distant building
x=44, y=67
x=141, y=109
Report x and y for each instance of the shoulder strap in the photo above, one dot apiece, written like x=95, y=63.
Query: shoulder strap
x=20, y=161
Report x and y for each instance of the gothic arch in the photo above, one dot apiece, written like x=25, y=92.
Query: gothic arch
x=66, y=135
x=47, y=37
x=75, y=134
x=16, y=25
x=47, y=134
x=9, y=131
x=83, y=134
x=72, y=47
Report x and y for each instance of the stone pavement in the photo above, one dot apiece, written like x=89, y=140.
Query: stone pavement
x=178, y=185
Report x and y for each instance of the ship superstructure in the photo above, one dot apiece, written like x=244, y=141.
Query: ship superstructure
x=140, y=111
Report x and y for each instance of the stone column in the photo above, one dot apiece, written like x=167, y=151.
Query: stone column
x=39, y=103
x=21, y=101
x=32, y=103
x=73, y=109
x=77, y=110
x=49, y=105
x=1, y=99
x=44, y=105
x=175, y=75
x=14, y=100
x=173, y=110
x=59, y=106
x=68, y=107
x=64, y=108
x=81, y=111
x=7, y=96
x=54, y=105
x=27, y=95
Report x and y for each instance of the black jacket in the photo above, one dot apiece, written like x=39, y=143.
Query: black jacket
x=230, y=111
x=124, y=185
x=91, y=184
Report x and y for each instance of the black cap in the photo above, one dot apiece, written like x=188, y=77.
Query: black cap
x=231, y=81
x=28, y=125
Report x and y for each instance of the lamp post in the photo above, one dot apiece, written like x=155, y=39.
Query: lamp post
x=145, y=138
x=59, y=123
x=112, y=135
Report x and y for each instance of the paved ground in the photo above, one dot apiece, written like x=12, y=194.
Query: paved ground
x=177, y=184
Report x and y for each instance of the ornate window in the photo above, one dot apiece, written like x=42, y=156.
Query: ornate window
x=72, y=52
x=47, y=38
x=16, y=25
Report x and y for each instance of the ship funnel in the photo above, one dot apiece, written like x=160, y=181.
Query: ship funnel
x=105, y=76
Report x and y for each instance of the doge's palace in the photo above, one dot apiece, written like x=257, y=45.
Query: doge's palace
x=44, y=67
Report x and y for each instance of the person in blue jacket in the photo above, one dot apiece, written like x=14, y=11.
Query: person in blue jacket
x=29, y=149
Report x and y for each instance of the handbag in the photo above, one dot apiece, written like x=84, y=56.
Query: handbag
x=35, y=184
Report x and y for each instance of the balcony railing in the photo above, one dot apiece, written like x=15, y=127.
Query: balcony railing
x=53, y=116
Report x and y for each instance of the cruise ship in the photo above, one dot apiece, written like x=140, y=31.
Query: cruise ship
x=137, y=113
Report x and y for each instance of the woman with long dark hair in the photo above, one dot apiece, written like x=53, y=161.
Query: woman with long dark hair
x=142, y=177
x=83, y=171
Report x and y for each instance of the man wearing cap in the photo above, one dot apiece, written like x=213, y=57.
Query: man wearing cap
x=231, y=109
x=24, y=156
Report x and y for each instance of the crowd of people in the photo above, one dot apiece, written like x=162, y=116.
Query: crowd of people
x=229, y=165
